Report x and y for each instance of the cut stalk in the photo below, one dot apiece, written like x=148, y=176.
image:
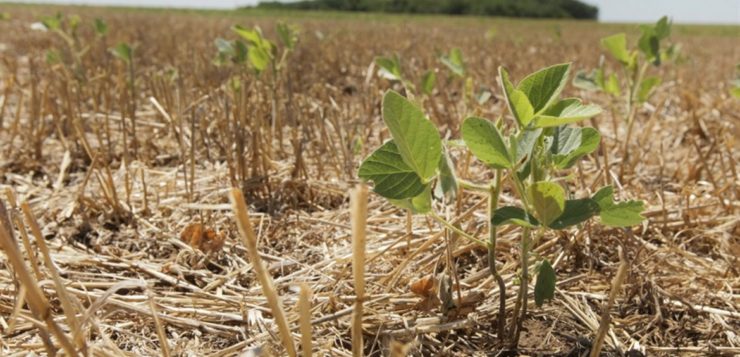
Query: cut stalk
x=304, y=320
x=249, y=238
x=605, y=316
x=359, y=224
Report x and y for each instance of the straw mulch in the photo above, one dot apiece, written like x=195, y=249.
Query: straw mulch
x=127, y=259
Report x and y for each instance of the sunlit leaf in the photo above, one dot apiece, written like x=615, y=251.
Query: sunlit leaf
x=428, y=81
x=543, y=87
x=454, y=62
x=485, y=142
x=390, y=68
x=548, y=200
x=646, y=88
x=258, y=58
x=123, y=51
x=617, y=47
x=415, y=136
x=519, y=104
x=288, y=35
x=611, y=85
x=566, y=111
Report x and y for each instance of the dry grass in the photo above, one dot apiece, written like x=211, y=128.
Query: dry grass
x=105, y=271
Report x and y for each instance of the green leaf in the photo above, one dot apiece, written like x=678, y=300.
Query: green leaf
x=513, y=215
x=649, y=42
x=566, y=111
x=611, y=86
x=101, y=28
x=575, y=212
x=662, y=28
x=393, y=179
x=573, y=143
x=646, y=88
x=486, y=143
x=241, y=52
x=544, y=287
x=519, y=104
x=617, y=47
x=735, y=91
x=258, y=58
x=421, y=204
x=454, y=62
x=543, y=87
x=623, y=214
x=548, y=200
x=415, y=136
x=390, y=68
x=288, y=35
x=73, y=21
x=587, y=80
x=123, y=51
x=565, y=140
x=522, y=109
x=603, y=197
x=447, y=179
x=52, y=22
x=673, y=53
x=428, y=82
x=525, y=143
x=5, y=16
x=254, y=37
x=224, y=46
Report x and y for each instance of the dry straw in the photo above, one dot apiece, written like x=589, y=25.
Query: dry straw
x=249, y=238
x=605, y=316
x=304, y=320
x=359, y=226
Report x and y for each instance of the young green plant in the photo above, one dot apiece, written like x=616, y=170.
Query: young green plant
x=262, y=54
x=635, y=87
x=531, y=157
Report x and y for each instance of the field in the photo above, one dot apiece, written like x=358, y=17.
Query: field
x=119, y=237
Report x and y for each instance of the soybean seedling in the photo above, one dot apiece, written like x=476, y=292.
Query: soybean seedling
x=455, y=63
x=65, y=27
x=634, y=87
x=390, y=69
x=125, y=53
x=263, y=54
x=532, y=156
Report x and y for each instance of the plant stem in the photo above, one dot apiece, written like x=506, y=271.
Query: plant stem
x=631, y=112
x=459, y=231
x=521, y=302
x=471, y=186
x=495, y=190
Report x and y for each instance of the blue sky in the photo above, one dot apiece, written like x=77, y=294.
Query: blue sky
x=682, y=11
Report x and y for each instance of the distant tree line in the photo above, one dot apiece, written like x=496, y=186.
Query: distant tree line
x=511, y=8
